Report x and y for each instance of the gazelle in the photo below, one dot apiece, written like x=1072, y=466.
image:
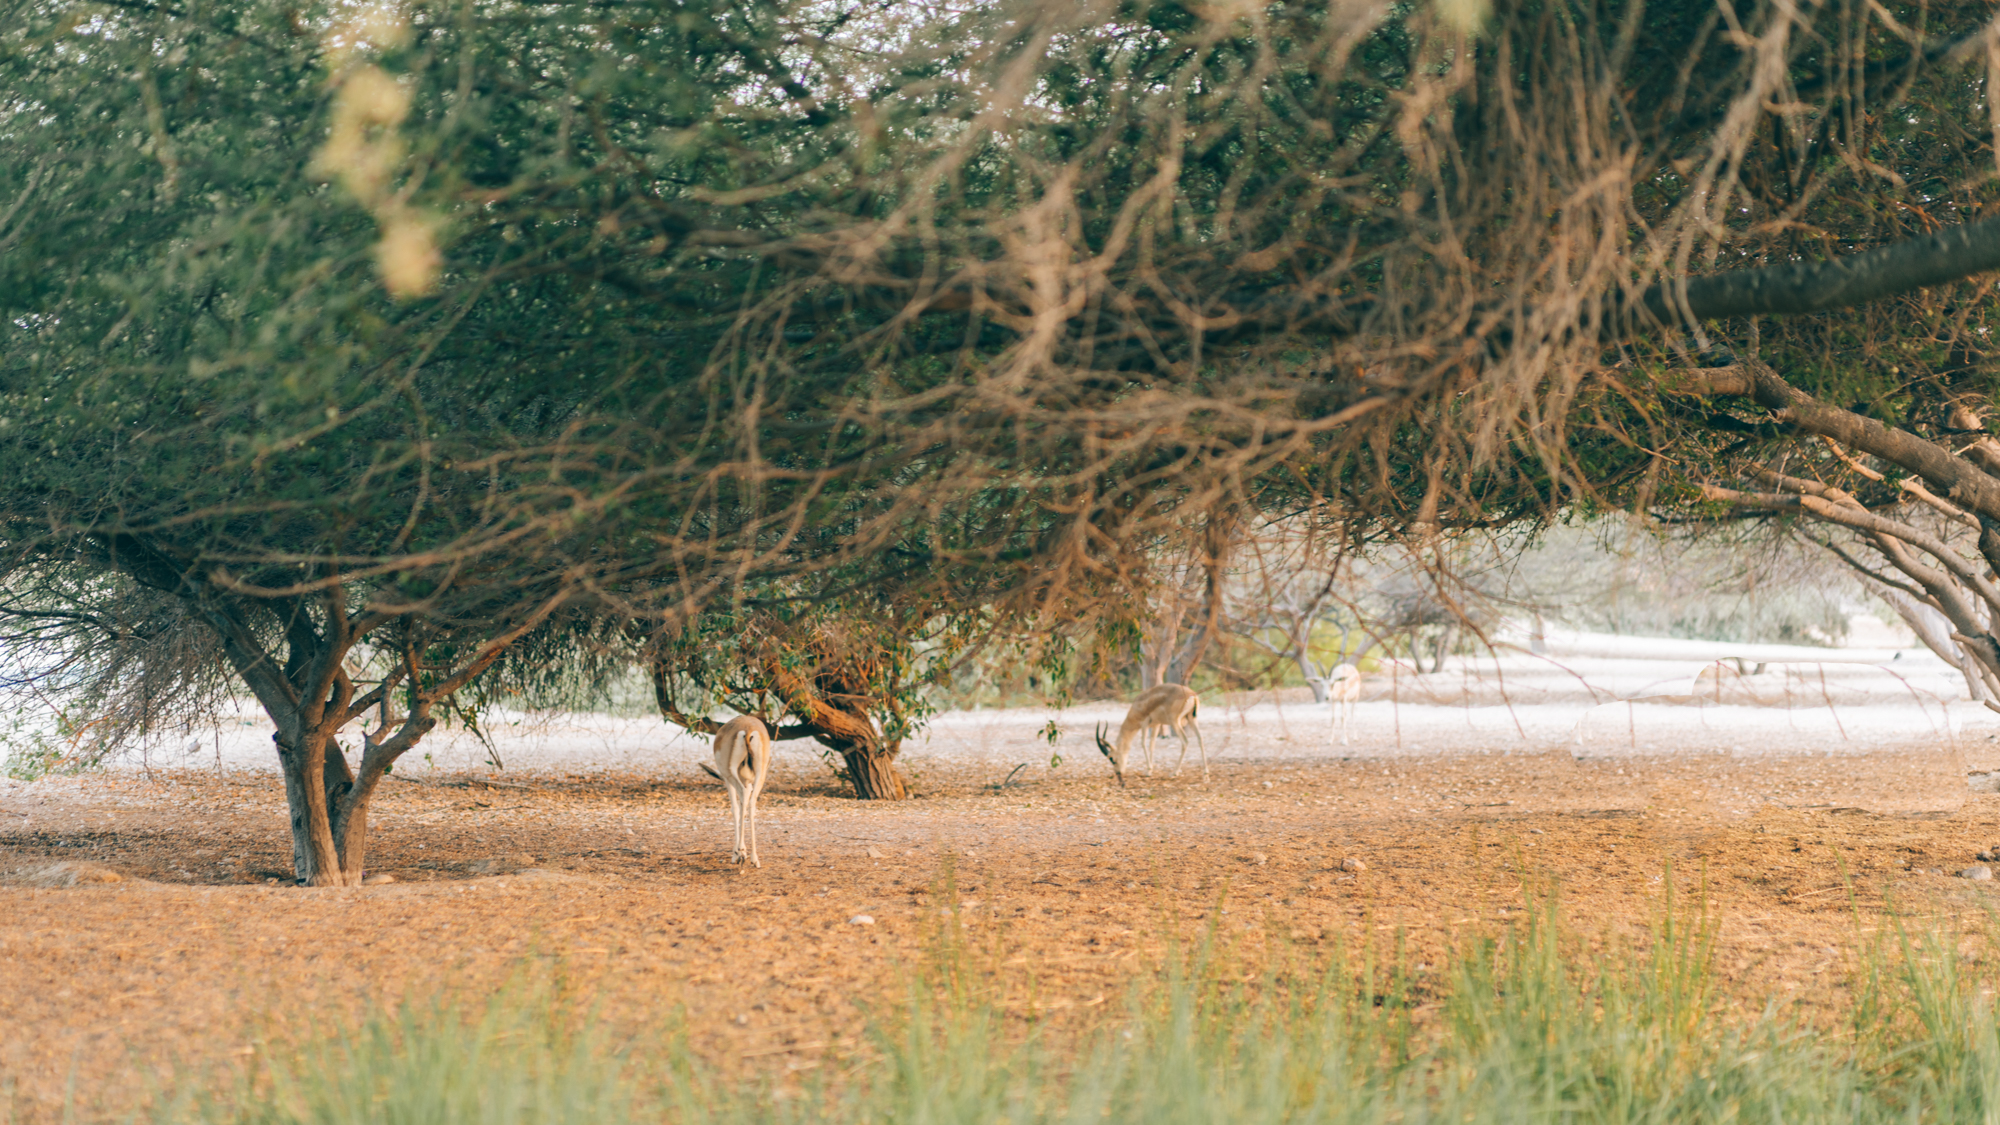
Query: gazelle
x=1343, y=691
x=1169, y=706
x=743, y=760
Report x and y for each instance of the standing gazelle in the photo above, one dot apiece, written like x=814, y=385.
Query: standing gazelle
x=743, y=757
x=1171, y=706
x=1343, y=690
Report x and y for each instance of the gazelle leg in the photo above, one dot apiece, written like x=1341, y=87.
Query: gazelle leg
x=1180, y=732
x=751, y=798
x=736, y=818
x=1196, y=727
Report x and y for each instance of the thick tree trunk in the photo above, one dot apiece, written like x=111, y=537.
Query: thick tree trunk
x=351, y=834
x=295, y=804
x=874, y=776
x=837, y=717
x=330, y=821
x=303, y=759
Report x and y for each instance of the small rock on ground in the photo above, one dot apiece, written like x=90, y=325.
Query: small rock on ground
x=861, y=920
x=1980, y=872
x=1352, y=864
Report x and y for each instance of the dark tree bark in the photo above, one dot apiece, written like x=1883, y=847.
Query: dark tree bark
x=874, y=775
x=843, y=726
x=1956, y=477
x=1809, y=287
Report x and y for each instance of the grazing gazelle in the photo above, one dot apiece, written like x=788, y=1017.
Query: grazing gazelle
x=743, y=757
x=1169, y=706
x=1343, y=690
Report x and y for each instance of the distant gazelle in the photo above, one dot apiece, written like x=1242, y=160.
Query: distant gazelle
x=1343, y=690
x=743, y=760
x=1170, y=707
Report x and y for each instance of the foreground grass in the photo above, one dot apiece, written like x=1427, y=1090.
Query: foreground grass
x=1522, y=1027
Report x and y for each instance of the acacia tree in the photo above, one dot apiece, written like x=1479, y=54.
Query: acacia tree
x=854, y=676
x=244, y=403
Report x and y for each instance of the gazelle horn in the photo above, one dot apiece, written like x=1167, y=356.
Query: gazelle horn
x=1106, y=747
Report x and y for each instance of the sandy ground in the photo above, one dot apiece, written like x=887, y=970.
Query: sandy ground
x=1808, y=800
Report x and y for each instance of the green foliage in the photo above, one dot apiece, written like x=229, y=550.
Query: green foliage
x=41, y=741
x=32, y=754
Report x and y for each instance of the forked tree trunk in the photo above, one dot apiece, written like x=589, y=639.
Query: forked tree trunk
x=310, y=696
x=305, y=759
x=329, y=821
x=837, y=718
